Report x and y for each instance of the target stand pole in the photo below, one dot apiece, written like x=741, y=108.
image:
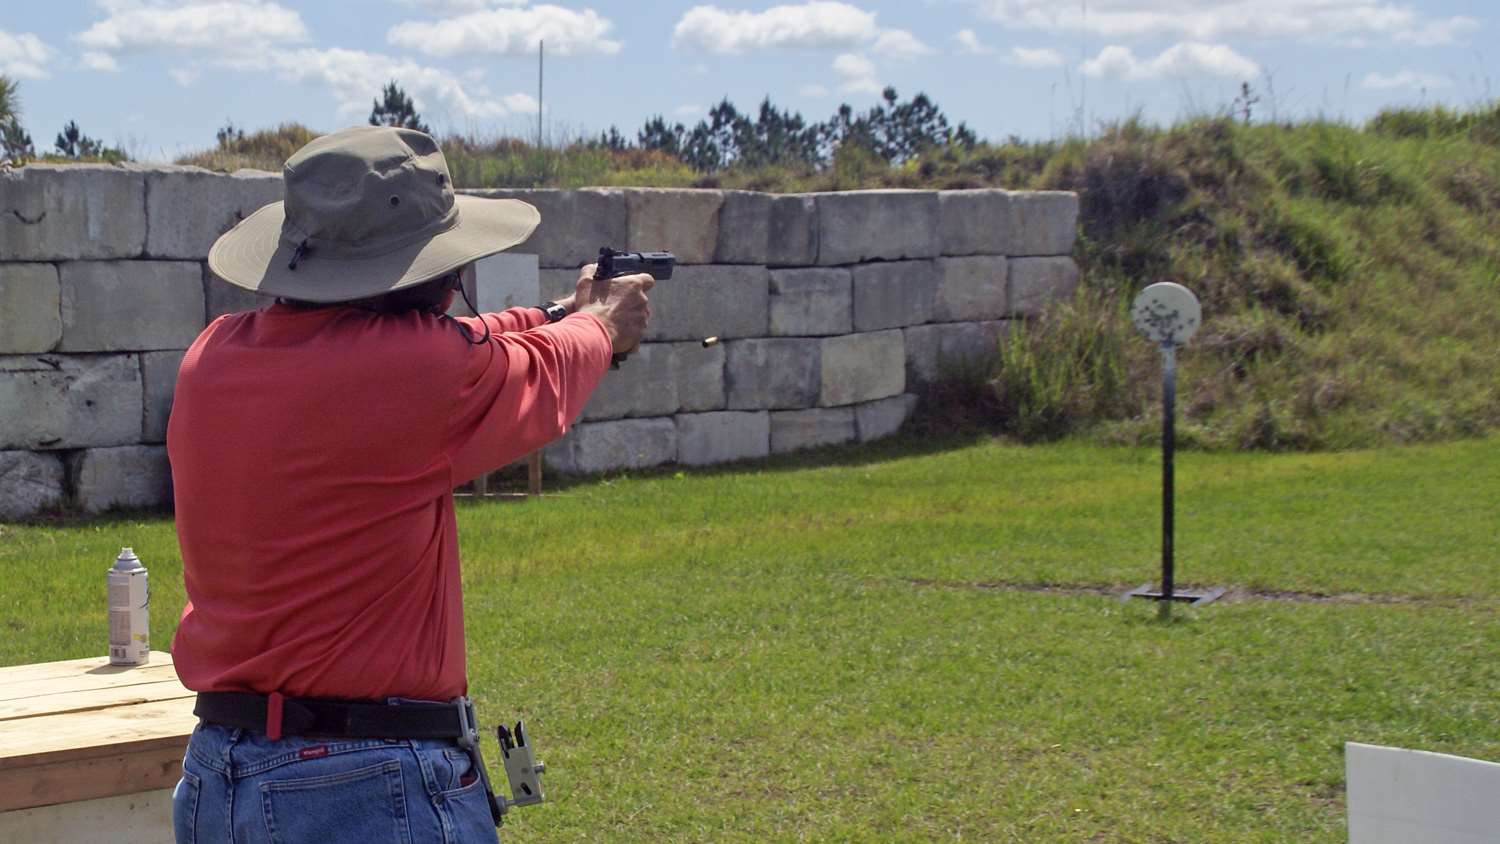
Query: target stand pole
x=1168, y=473
x=1168, y=314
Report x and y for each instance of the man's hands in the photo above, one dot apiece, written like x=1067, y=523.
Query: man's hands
x=619, y=303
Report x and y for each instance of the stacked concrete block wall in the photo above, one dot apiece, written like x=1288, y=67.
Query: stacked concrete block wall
x=833, y=310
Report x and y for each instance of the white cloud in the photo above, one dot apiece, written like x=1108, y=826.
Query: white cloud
x=1318, y=20
x=856, y=74
x=1179, y=60
x=1439, y=32
x=1409, y=79
x=356, y=77
x=1036, y=57
x=968, y=42
x=510, y=32
x=521, y=103
x=817, y=24
x=813, y=24
x=458, y=6
x=814, y=91
x=899, y=44
x=93, y=60
x=226, y=27
x=23, y=55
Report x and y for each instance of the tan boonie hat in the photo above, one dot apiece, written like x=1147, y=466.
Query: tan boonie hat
x=368, y=210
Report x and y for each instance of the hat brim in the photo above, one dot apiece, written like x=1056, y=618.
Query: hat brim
x=251, y=255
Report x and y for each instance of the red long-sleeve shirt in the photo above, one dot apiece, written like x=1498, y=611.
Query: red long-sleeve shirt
x=314, y=453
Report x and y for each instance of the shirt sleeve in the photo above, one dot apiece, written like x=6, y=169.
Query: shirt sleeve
x=510, y=319
x=523, y=388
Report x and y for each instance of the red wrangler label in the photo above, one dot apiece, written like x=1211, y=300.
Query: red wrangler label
x=315, y=752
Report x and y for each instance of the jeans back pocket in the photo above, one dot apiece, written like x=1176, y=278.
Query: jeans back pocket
x=365, y=804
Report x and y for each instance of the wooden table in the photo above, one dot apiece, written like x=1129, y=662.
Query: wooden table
x=90, y=751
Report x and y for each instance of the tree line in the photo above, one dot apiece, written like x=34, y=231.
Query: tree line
x=893, y=131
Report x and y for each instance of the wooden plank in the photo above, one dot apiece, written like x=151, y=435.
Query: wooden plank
x=84, y=682
x=93, y=666
x=86, y=779
x=90, y=700
x=132, y=819
x=106, y=732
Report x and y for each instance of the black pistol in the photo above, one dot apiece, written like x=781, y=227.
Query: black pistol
x=612, y=264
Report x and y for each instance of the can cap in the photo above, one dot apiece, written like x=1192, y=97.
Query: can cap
x=127, y=561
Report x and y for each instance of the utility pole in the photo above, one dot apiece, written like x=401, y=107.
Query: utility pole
x=540, y=53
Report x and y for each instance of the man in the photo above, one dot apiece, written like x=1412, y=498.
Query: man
x=314, y=446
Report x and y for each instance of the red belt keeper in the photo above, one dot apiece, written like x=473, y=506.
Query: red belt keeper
x=273, y=716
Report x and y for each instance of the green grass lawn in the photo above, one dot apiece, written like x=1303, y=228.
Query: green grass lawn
x=789, y=651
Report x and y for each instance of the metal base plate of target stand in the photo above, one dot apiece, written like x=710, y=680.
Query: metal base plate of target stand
x=1191, y=597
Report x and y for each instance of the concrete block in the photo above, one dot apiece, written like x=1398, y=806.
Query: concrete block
x=69, y=401
x=30, y=483
x=892, y=295
x=1043, y=223
x=793, y=237
x=575, y=223
x=642, y=386
x=1036, y=282
x=721, y=300
x=619, y=444
x=744, y=228
x=30, y=308
x=813, y=302
x=558, y=455
x=974, y=222
x=885, y=225
x=187, y=208
x=792, y=430
x=875, y=420
x=947, y=349
x=110, y=306
x=221, y=297
x=861, y=367
x=684, y=222
x=128, y=476
x=158, y=384
x=699, y=376
x=554, y=284
x=708, y=438
x=775, y=373
x=507, y=280
x=69, y=212
x=970, y=288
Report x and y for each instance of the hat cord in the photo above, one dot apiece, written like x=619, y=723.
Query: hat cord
x=462, y=329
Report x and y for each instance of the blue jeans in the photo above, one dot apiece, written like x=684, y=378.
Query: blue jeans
x=238, y=786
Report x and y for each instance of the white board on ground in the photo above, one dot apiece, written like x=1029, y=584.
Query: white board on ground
x=1399, y=796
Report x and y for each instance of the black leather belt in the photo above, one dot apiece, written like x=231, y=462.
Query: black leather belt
x=277, y=716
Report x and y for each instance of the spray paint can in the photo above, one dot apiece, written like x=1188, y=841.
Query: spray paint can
x=129, y=611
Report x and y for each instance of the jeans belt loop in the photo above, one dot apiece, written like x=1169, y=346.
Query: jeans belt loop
x=273, y=716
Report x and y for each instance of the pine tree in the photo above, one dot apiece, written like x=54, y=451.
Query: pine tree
x=396, y=109
x=14, y=140
x=73, y=143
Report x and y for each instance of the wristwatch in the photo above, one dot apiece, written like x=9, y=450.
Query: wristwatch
x=553, y=311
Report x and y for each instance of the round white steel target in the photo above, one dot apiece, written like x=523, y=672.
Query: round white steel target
x=1167, y=313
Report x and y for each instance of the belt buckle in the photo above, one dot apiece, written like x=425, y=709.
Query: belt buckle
x=469, y=740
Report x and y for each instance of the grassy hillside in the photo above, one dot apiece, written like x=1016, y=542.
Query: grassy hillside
x=1348, y=274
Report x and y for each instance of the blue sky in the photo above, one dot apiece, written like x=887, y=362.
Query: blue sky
x=158, y=77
